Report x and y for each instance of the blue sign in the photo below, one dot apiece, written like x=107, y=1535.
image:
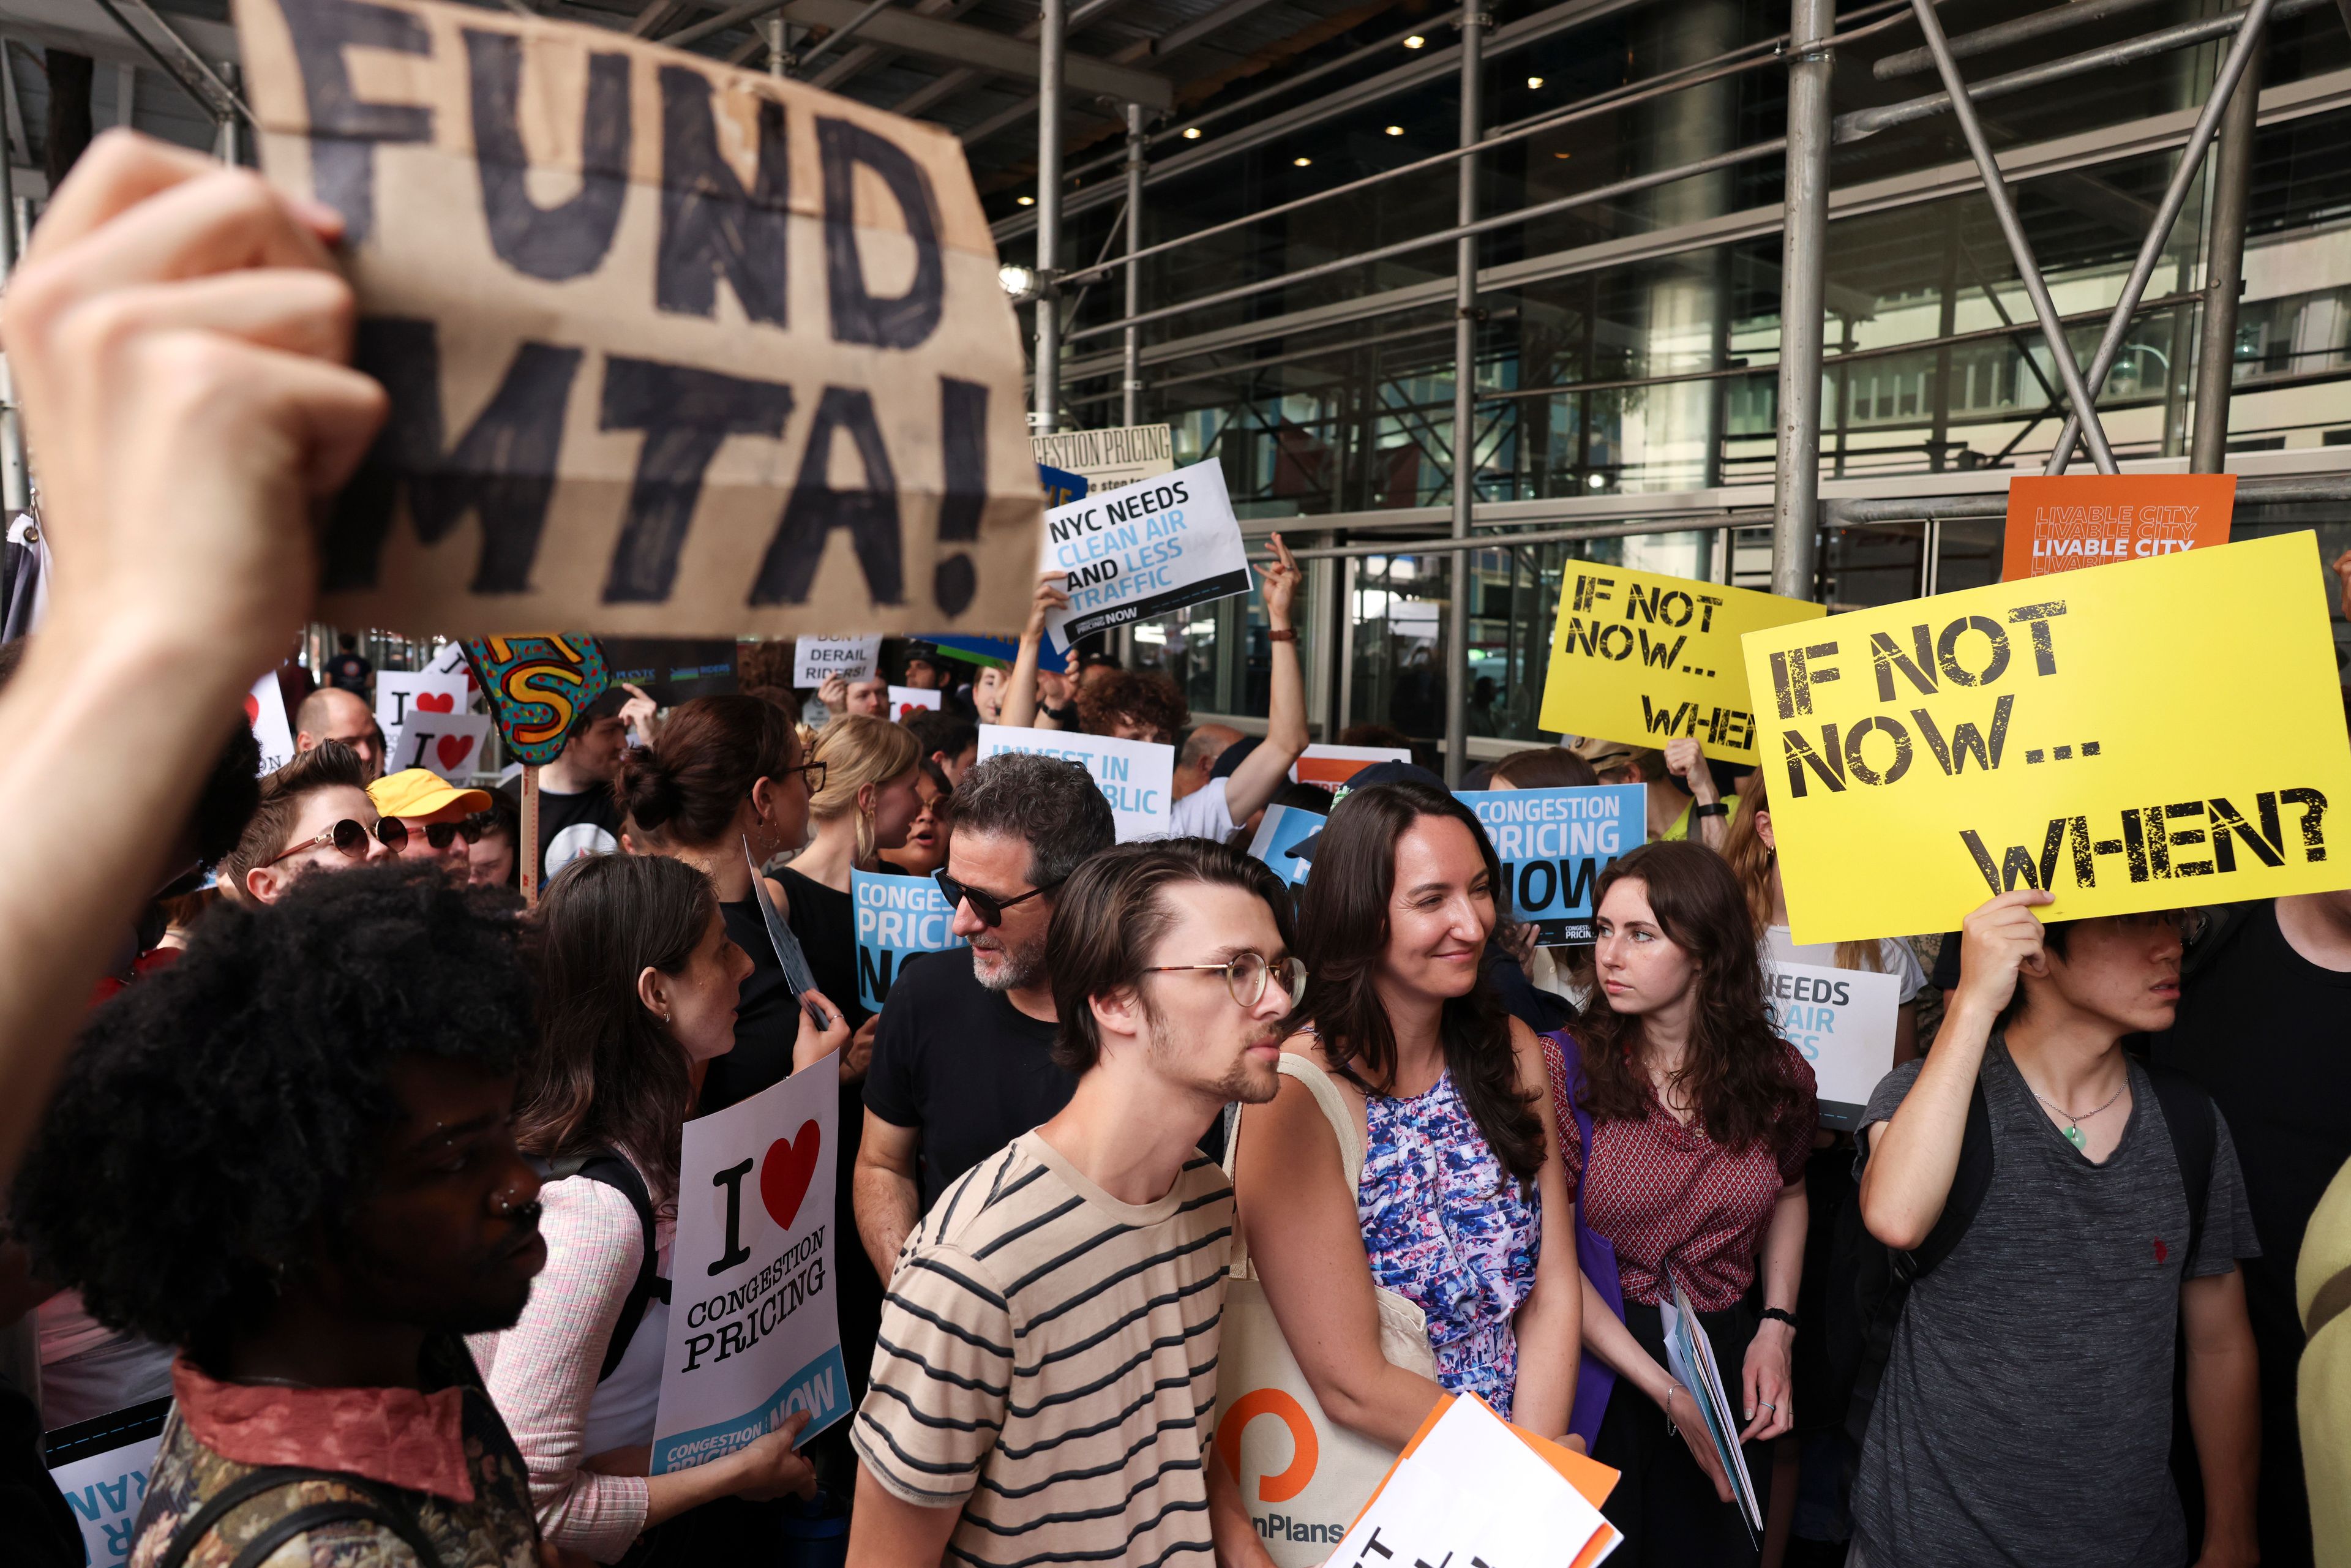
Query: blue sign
x=997, y=651
x=1282, y=831
x=1553, y=845
x=1062, y=486
x=899, y=918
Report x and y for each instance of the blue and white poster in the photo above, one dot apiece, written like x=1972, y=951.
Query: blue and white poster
x=1130, y=554
x=1280, y=832
x=899, y=919
x=1553, y=845
x=1136, y=776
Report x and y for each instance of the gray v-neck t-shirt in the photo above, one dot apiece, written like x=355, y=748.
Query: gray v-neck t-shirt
x=2025, y=1416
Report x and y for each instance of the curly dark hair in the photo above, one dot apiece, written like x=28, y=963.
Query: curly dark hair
x=1736, y=1073
x=1140, y=697
x=224, y=1112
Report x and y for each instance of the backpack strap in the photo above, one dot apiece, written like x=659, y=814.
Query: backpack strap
x=1970, y=1182
x=378, y=1505
x=610, y=1169
x=2194, y=1126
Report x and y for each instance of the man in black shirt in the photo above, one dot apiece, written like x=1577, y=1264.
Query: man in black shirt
x=578, y=814
x=963, y=1057
x=349, y=669
x=2262, y=1029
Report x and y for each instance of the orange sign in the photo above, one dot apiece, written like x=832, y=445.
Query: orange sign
x=2065, y=521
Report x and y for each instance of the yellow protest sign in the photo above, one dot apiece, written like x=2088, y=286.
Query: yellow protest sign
x=2148, y=735
x=1643, y=658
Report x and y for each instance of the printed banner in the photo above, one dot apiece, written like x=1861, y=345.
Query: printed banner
x=1329, y=767
x=450, y=745
x=672, y=670
x=1128, y=555
x=401, y=692
x=674, y=349
x=1844, y=1022
x=1278, y=832
x=1640, y=658
x=1108, y=459
x=754, y=1333
x=2160, y=733
x=1553, y=845
x=2065, y=521
x=265, y=710
x=101, y=1466
x=1136, y=776
x=816, y=659
x=899, y=919
x=537, y=687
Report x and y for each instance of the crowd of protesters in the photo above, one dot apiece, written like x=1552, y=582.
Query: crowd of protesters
x=317, y=1128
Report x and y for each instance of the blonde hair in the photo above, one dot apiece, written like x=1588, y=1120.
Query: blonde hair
x=1751, y=862
x=858, y=749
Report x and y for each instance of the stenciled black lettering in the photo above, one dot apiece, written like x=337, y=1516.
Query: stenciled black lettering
x=816, y=508
x=1965, y=740
x=962, y=499
x=1947, y=652
x=1888, y=657
x=685, y=414
x=735, y=1254
x=502, y=469
x=859, y=315
x=569, y=239
x=345, y=129
x=1828, y=762
x=709, y=223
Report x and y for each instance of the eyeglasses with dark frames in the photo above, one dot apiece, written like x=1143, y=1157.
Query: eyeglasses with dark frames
x=812, y=771
x=1247, y=976
x=350, y=837
x=987, y=905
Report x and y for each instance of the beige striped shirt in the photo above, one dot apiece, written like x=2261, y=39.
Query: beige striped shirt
x=1048, y=1363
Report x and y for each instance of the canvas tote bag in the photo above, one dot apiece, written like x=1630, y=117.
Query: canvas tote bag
x=1301, y=1504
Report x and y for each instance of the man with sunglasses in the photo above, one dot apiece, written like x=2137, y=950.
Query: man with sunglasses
x=963, y=1054
x=315, y=815
x=434, y=814
x=1046, y=1382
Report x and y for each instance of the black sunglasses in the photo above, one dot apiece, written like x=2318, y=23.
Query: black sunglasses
x=987, y=905
x=439, y=834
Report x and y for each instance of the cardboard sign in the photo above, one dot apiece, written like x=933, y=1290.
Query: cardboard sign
x=1329, y=767
x=537, y=687
x=899, y=919
x=2067, y=522
x=1553, y=845
x=754, y=1333
x=1844, y=1021
x=2161, y=733
x=1641, y=658
x=816, y=659
x=672, y=670
x=265, y=710
x=1136, y=776
x=1280, y=831
x=905, y=700
x=674, y=349
x=452, y=745
x=1470, y=1487
x=1130, y=554
x=101, y=1466
x=399, y=693
x=1110, y=458
x=1062, y=486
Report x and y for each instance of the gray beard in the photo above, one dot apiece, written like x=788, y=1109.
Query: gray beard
x=1017, y=969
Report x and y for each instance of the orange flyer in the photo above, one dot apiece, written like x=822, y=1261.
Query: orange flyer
x=2067, y=521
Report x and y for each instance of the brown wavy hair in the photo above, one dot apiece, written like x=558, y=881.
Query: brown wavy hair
x=1343, y=937
x=1736, y=1070
x=1140, y=696
x=684, y=788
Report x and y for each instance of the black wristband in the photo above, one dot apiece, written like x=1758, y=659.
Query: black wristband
x=1718, y=809
x=1779, y=1314
x=1065, y=716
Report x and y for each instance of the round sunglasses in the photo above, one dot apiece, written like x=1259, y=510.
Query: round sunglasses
x=350, y=837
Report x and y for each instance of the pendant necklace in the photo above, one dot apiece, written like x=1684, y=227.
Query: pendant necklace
x=2072, y=1128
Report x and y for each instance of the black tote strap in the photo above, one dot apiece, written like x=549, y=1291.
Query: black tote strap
x=377, y=1503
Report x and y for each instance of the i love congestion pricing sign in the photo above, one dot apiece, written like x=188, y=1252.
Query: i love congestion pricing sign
x=753, y=1330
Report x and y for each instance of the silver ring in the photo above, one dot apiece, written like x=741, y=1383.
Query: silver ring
x=1769, y=1406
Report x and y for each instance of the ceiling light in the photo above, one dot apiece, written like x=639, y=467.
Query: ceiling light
x=1301, y=163
x=1395, y=130
x=1026, y=200
x=1191, y=133
x=1563, y=155
x=1415, y=41
x=1596, y=481
x=1534, y=81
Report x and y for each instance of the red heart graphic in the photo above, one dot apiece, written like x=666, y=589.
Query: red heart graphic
x=453, y=749
x=252, y=708
x=785, y=1174
x=436, y=702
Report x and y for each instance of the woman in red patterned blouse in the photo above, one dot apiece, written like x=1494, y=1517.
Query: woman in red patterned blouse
x=1702, y=1119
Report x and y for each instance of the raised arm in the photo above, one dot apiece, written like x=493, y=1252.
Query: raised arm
x=1262, y=772
x=1912, y=1157
x=1020, y=709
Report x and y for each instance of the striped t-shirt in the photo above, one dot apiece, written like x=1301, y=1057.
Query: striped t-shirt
x=1048, y=1363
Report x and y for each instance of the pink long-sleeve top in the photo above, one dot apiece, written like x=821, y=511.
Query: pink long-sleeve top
x=541, y=1373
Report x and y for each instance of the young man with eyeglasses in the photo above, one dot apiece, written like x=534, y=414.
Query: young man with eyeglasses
x=315, y=815
x=2024, y=1414
x=1046, y=1382
x=963, y=1054
x=435, y=813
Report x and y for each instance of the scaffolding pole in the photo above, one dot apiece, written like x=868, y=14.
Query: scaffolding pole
x=1465, y=398
x=15, y=474
x=1046, y=381
x=2224, y=276
x=1130, y=379
x=1803, y=262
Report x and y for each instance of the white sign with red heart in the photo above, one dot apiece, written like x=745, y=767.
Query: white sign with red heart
x=753, y=1333
x=265, y=710
x=449, y=744
x=400, y=695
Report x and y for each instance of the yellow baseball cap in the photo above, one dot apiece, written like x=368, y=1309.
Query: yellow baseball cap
x=420, y=793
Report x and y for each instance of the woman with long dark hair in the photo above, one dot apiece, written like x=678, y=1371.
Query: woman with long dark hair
x=637, y=988
x=1407, y=1068
x=1702, y=1119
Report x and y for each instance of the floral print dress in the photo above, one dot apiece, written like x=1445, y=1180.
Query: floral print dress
x=1449, y=1229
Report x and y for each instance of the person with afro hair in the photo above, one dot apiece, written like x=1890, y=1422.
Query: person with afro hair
x=291, y=1156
